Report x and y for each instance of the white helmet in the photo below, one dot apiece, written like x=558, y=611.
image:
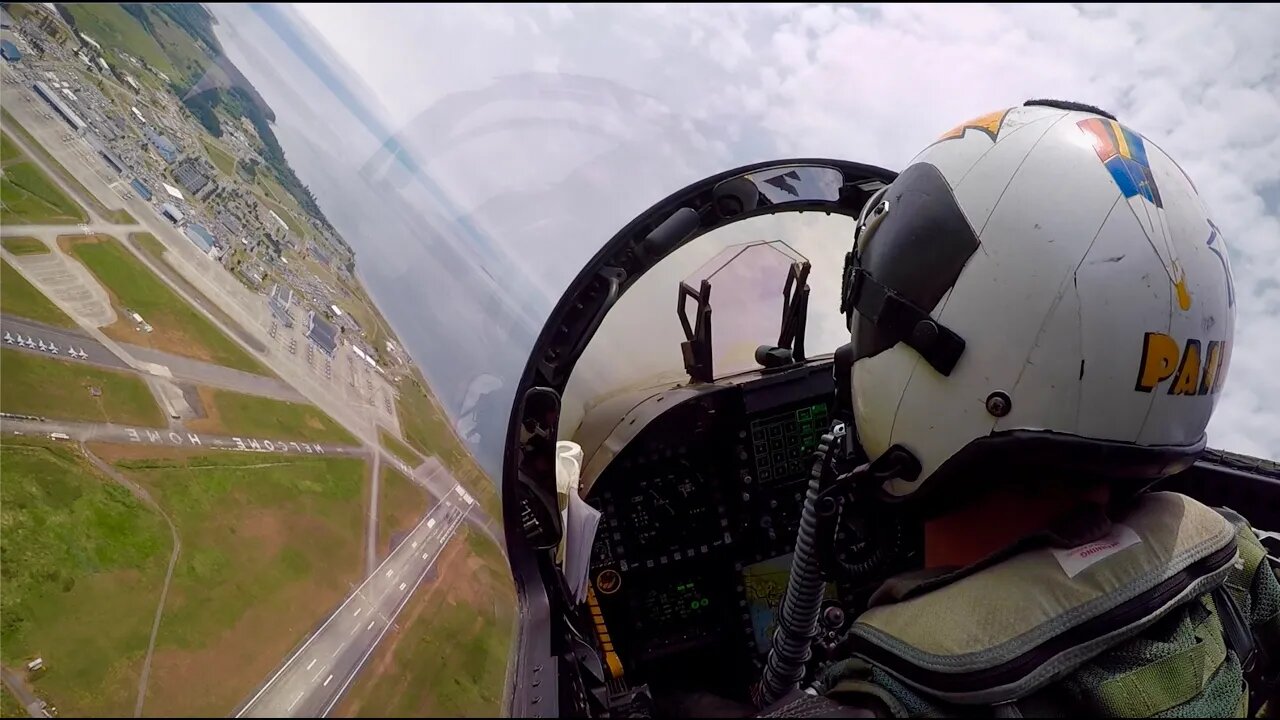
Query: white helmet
x=1041, y=286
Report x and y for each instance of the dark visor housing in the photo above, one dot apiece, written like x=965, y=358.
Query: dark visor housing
x=912, y=242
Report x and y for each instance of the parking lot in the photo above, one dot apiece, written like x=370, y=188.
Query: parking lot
x=350, y=376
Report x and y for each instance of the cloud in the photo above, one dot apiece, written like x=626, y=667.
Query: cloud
x=727, y=85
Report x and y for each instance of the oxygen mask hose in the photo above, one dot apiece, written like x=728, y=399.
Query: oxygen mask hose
x=798, y=615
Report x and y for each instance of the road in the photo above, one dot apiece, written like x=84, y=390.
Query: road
x=104, y=432
x=96, y=352
x=314, y=678
x=18, y=686
x=203, y=373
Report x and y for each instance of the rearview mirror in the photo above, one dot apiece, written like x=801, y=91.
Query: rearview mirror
x=777, y=186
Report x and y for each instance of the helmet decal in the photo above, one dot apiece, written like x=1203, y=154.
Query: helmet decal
x=989, y=124
x=1125, y=157
x=1161, y=360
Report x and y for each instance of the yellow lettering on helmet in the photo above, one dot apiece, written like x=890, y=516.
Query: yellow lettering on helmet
x=1187, y=381
x=1159, y=358
x=1194, y=372
x=1212, y=363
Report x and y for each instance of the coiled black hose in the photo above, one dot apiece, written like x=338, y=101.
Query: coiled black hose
x=798, y=616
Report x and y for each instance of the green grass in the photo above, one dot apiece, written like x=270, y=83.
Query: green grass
x=31, y=198
x=187, y=57
x=399, y=449
x=451, y=659
x=21, y=298
x=40, y=385
x=270, y=545
x=401, y=505
x=8, y=149
x=112, y=27
x=427, y=429
x=276, y=192
x=289, y=219
x=179, y=328
x=114, y=216
x=25, y=246
x=221, y=158
x=149, y=243
x=83, y=562
x=249, y=415
x=9, y=705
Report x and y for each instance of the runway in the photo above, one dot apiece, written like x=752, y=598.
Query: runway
x=314, y=678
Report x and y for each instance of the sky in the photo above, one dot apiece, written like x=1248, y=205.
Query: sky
x=496, y=148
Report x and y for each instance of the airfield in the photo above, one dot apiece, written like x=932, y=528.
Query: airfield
x=180, y=371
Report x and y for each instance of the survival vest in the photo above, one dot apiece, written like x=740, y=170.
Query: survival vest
x=1131, y=623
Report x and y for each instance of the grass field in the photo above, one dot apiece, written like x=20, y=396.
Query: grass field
x=112, y=27
x=114, y=216
x=178, y=327
x=449, y=658
x=294, y=225
x=83, y=565
x=9, y=705
x=276, y=192
x=149, y=243
x=9, y=150
x=19, y=245
x=401, y=505
x=399, y=449
x=231, y=413
x=39, y=385
x=269, y=547
x=427, y=428
x=21, y=298
x=153, y=248
x=31, y=198
x=221, y=158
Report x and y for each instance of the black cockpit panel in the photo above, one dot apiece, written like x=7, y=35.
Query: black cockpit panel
x=699, y=516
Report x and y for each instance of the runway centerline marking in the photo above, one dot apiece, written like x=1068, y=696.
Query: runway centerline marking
x=295, y=700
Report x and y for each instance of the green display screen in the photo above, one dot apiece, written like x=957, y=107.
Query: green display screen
x=783, y=443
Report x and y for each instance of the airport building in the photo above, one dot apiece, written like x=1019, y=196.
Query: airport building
x=254, y=273
x=141, y=188
x=190, y=177
x=279, y=300
x=9, y=51
x=200, y=236
x=64, y=111
x=174, y=214
x=322, y=333
x=163, y=145
x=113, y=161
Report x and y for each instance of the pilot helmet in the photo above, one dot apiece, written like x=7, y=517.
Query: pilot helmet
x=1043, y=287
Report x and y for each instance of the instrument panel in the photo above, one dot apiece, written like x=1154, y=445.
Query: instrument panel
x=700, y=511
